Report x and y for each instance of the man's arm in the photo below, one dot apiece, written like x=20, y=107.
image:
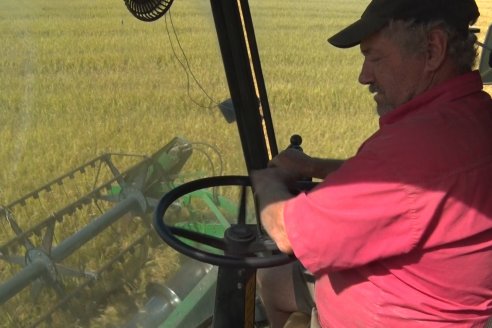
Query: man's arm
x=271, y=187
x=302, y=165
x=271, y=191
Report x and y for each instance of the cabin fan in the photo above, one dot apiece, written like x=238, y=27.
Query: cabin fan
x=148, y=10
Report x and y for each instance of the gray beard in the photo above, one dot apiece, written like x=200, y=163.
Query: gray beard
x=381, y=109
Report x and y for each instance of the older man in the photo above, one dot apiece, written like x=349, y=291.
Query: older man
x=400, y=235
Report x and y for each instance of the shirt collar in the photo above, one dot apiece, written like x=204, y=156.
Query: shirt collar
x=449, y=90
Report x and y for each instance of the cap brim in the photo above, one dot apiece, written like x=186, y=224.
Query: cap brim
x=353, y=34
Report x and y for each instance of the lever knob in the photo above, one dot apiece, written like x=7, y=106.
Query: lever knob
x=295, y=142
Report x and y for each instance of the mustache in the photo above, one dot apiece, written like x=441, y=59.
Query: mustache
x=373, y=88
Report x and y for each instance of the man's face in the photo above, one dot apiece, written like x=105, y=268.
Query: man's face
x=393, y=75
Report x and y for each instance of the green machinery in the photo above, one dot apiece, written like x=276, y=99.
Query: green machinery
x=70, y=259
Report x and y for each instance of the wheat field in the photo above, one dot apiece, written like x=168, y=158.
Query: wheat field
x=82, y=78
x=85, y=78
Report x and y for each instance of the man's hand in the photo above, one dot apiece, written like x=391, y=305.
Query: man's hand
x=278, y=176
x=296, y=162
x=271, y=191
x=299, y=165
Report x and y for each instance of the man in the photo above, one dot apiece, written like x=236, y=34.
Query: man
x=400, y=235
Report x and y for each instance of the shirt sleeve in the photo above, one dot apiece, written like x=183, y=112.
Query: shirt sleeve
x=357, y=215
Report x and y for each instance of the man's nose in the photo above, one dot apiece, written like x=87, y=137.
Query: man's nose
x=365, y=76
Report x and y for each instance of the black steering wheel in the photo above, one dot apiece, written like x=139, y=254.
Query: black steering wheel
x=244, y=245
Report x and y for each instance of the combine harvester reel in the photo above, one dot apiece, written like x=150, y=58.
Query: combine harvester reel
x=80, y=242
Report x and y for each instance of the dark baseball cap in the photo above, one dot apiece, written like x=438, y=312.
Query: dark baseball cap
x=459, y=14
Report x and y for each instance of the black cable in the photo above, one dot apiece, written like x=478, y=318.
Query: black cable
x=186, y=66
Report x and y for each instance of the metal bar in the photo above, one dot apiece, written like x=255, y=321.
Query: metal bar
x=46, y=187
x=75, y=241
x=21, y=279
x=260, y=81
x=76, y=291
x=36, y=269
x=67, y=210
x=213, y=207
x=197, y=306
x=234, y=298
x=234, y=49
x=176, y=301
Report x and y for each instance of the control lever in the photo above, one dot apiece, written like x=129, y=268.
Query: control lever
x=306, y=183
x=295, y=142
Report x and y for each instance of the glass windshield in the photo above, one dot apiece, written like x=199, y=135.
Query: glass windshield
x=102, y=114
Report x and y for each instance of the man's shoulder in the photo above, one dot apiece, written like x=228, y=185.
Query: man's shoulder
x=435, y=140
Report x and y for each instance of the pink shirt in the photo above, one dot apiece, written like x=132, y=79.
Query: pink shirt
x=401, y=234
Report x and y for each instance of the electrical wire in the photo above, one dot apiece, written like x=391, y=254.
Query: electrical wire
x=217, y=153
x=186, y=65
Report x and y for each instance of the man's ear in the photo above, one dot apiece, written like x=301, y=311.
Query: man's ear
x=437, y=48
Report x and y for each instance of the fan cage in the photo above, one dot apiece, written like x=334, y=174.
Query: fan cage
x=148, y=10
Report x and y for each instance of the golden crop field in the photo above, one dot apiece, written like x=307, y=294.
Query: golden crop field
x=86, y=78
x=79, y=79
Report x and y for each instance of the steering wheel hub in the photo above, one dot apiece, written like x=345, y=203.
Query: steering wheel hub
x=239, y=234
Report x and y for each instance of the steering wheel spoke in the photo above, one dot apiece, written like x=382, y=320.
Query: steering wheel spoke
x=199, y=237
